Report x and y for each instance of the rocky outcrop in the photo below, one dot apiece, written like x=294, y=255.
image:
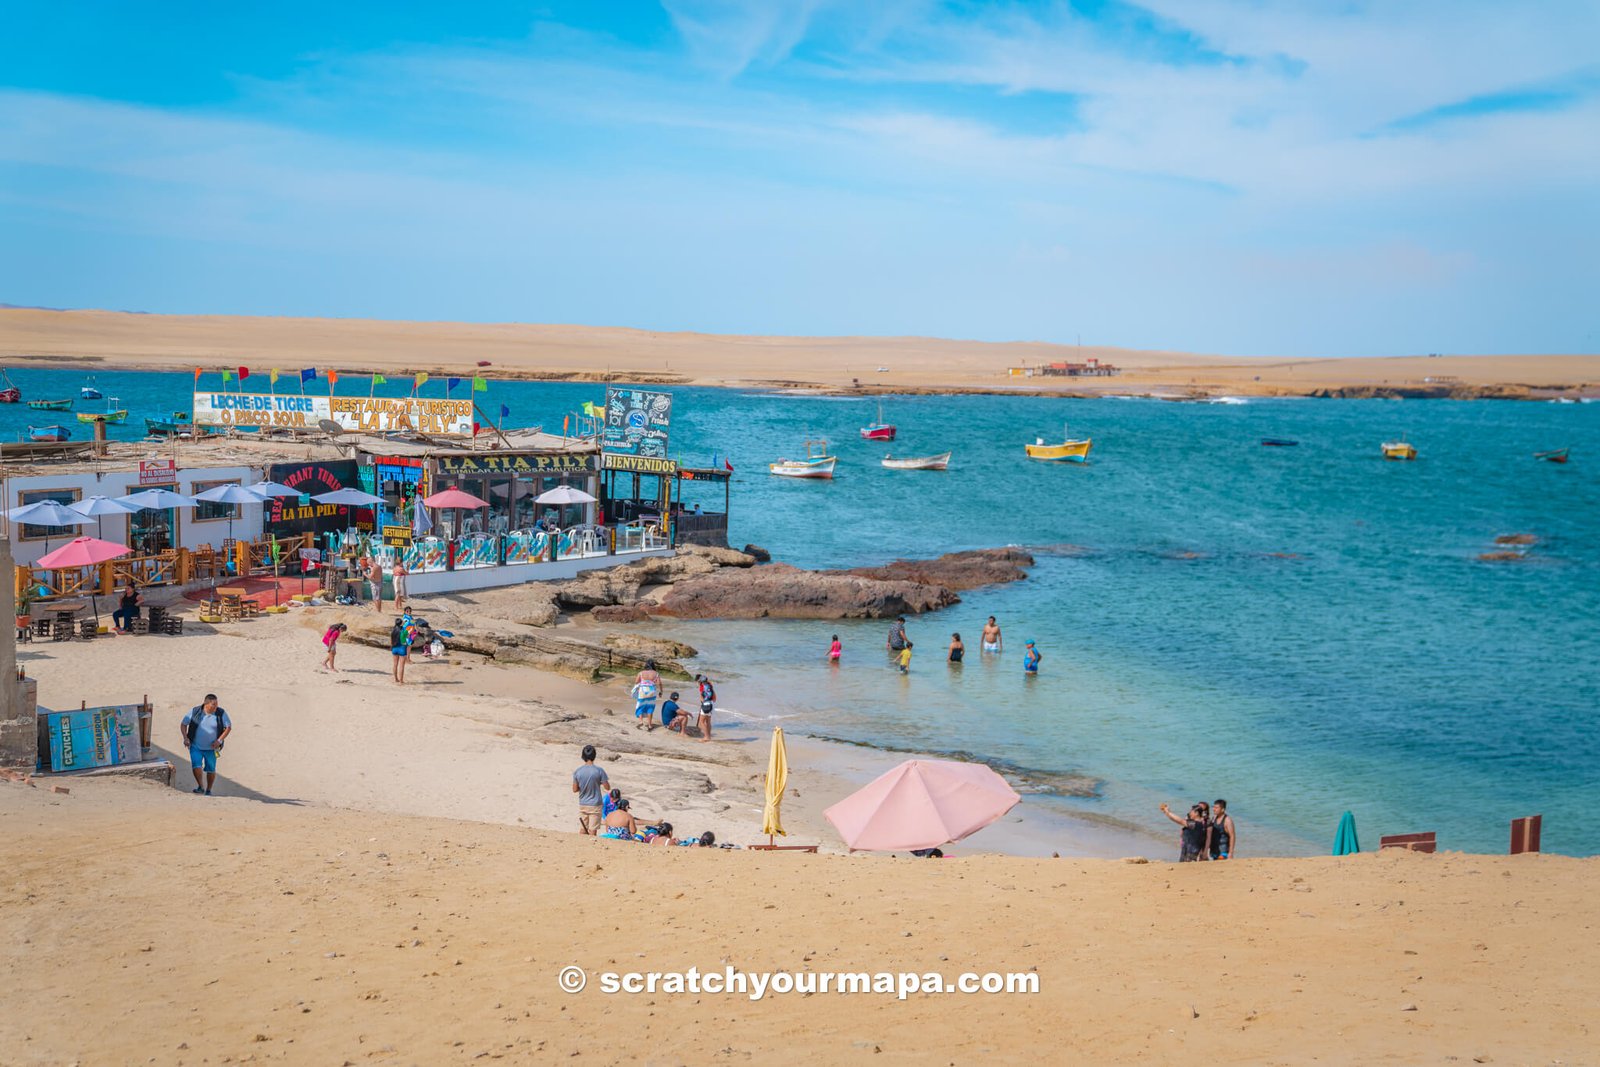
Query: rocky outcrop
x=957, y=571
x=759, y=554
x=780, y=591
x=564, y=655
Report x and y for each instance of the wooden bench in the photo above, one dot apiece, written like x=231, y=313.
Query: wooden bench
x=1525, y=834
x=1414, y=842
x=781, y=848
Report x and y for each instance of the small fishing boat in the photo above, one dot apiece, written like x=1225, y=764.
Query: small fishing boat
x=89, y=392
x=49, y=433
x=171, y=426
x=112, y=413
x=918, y=463
x=1278, y=442
x=1558, y=455
x=817, y=464
x=51, y=405
x=10, y=394
x=1399, y=450
x=1069, y=450
x=880, y=430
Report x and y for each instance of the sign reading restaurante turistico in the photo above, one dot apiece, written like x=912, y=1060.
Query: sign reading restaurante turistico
x=358, y=414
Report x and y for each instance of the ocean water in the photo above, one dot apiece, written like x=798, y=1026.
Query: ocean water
x=1301, y=631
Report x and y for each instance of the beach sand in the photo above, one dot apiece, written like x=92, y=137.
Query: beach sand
x=108, y=339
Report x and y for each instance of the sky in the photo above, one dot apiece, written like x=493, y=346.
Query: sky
x=1251, y=177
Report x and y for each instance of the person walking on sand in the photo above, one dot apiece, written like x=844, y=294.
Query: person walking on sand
x=991, y=636
x=708, y=704
x=375, y=582
x=204, y=729
x=400, y=572
x=897, y=634
x=905, y=659
x=1194, y=832
x=1224, y=835
x=957, y=649
x=1030, y=659
x=590, y=783
x=400, y=648
x=835, y=650
x=330, y=641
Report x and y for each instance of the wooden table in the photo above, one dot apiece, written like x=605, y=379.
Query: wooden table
x=232, y=599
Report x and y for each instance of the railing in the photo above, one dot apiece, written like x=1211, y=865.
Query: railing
x=172, y=567
x=142, y=571
x=690, y=524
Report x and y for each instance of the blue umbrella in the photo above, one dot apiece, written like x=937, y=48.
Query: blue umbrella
x=230, y=494
x=1344, y=841
x=351, y=498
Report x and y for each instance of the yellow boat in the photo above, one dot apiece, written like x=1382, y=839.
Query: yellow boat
x=1068, y=450
x=112, y=413
x=1399, y=450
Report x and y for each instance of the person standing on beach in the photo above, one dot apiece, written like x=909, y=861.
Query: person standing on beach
x=330, y=640
x=646, y=688
x=1224, y=835
x=957, y=649
x=835, y=650
x=708, y=704
x=991, y=636
x=1030, y=659
x=400, y=573
x=1194, y=833
x=375, y=581
x=590, y=783
x=897, y=634
x=400, y=648
x=204, y=730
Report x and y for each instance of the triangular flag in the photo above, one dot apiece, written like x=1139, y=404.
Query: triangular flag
x=333, y=378
x=197, y=376
x=449, y=384
x=421, y=377
x=728, y=463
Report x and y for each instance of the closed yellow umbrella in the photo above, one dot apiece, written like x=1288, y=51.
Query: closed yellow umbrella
x=777, y=779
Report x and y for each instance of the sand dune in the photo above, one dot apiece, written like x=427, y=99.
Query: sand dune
x=179, y=342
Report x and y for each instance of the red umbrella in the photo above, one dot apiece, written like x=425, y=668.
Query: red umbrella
x=83, y=552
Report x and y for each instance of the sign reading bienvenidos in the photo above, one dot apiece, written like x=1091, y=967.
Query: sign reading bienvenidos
x=358, y=414
x=639, y=464
x=505, y=463
x=636, y=423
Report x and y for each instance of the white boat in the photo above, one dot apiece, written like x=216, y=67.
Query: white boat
x=817, y=464
x=918, y=463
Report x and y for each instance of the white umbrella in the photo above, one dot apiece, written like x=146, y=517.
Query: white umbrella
x=230, y=494
x=349, y=498
x=265, y=489
x=564, y=494
x=47, y=513
x=156, y=499
x=100, y=506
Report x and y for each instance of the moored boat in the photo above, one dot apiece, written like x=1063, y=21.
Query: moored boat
x=1069, y=450
x=880, y=430
x=918, y=463
x=1558, y=455
x=10, y=394
x=1278, y=442
x=112, y=413
x=171, y=426
x=51, y=405
x=89, y=392
x=49, y=433
x=817, y=464
x=1399, y=450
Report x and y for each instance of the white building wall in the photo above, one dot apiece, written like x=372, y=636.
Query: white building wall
x=191, y=533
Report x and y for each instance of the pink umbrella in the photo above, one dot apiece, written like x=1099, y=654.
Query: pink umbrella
x=922, y=804
x=83, y=552
x=454, y=498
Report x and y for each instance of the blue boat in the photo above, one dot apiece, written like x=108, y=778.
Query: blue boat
x=49, y=433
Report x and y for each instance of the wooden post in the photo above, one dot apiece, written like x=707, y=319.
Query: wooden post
x=185, y=567
x=1525, y=834
x=107, y=579
x=241, y=559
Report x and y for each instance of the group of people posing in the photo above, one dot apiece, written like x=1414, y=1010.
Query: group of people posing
x=1206, y=832
x=604, y=812
x=647, y=690
x=900, y=646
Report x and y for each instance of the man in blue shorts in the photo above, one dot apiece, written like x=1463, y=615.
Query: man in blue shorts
x=204, y=730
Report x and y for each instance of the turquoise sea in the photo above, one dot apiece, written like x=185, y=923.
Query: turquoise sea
x=1299, y=630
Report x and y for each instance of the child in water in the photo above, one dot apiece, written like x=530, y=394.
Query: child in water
x=905, y=658
x=835, y=650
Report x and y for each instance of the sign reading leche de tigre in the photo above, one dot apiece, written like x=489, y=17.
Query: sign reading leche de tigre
x=359, y=414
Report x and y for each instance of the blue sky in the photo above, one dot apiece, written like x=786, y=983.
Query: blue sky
x=1242, y=176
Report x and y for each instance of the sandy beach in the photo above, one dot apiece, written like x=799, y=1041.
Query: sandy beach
x=123, y=340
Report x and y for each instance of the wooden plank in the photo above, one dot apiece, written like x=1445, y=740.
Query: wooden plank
x=1421, y=842
x=1525, y=834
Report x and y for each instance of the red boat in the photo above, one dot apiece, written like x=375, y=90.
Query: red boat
x=1557, y=456
x=10, y=394
x=878, y=431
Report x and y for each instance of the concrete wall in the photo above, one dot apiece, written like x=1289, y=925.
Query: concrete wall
x=191, y=533
x=517, y=573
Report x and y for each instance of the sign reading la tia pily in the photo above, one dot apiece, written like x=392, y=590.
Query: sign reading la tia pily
x=509, y=463
x=359, y=414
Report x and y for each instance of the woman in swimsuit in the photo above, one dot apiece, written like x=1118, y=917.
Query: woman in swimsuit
x=957, y=649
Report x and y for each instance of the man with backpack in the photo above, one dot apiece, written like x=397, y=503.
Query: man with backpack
x=204, y=730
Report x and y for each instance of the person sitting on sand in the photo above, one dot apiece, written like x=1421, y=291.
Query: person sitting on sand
x=660, y=834
x=610, y=802
x=957, y=649
x=670, y=715
x=991, y=636
x=330, y=641
x=127, y=611
x=1224, y=835
x=705, y=840
x=1194, y=832
x=619, y=825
